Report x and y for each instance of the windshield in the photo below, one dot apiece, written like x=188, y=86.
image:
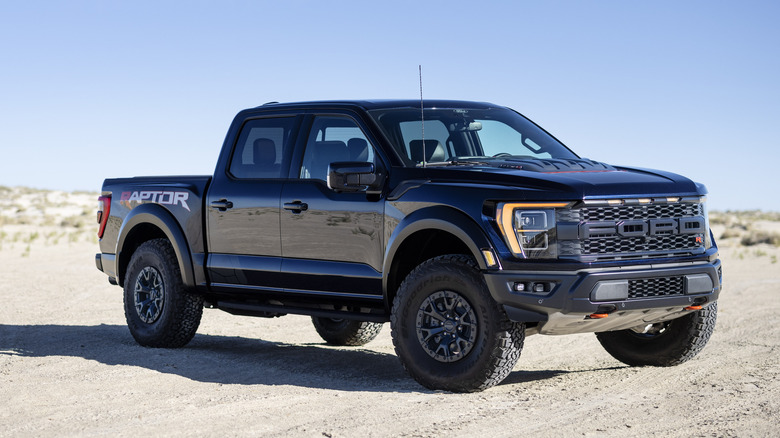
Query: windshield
x=463, y=135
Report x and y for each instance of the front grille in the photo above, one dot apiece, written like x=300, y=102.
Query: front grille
x=629, y=212
x=656, y=230
x=655, y=287
x=639, y=244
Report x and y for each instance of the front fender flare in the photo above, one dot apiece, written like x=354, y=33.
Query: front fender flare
x=440, y=218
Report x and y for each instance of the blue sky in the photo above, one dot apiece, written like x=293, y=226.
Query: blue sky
x=98, y=89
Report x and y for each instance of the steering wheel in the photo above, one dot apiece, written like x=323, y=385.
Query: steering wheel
x=502, y=154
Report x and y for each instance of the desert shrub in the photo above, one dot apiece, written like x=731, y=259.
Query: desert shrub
x=730, y=233
x=756, y=215
x=73, y=222
x=718, y=218
x=73, y=237
x=54, y=237
x=757, y=237
x=84, y=192
x=730, y=218
x=772, y=216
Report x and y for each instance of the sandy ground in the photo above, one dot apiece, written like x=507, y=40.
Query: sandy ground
x=69, y=367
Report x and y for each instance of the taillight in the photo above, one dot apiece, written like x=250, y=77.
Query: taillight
x=104, y=209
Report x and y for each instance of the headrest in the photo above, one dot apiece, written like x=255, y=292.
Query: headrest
x=331, y=151
x=434, y=151
x=358, y=149
x=264, y=151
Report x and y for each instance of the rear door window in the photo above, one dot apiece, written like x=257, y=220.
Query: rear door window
x=263, y=149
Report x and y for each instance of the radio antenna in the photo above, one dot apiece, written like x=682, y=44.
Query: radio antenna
x=422, y=116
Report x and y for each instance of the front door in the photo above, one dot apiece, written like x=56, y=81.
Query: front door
x=332, y=243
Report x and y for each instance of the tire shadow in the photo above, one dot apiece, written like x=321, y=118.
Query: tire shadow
x=217, y=359
x=521, y=377
x=230, y=359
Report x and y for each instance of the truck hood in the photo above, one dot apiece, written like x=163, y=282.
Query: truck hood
x=573, y=179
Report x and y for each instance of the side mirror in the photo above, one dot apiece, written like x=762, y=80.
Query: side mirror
x=353, y=176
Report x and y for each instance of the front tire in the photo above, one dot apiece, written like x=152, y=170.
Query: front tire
x=345, y=332
x=159, y=310
x=662, y=344
x=448, y=331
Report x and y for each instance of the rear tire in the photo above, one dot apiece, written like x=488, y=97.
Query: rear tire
x=159, y=310
x=448, y=331
x=346, y=332
x=663, y=344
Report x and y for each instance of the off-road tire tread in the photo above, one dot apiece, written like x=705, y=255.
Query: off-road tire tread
x=691, y=334
x=184, y=307
x=349, y=333
x=509, y=338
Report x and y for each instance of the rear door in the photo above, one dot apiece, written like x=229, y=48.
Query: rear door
x=243, y=205
x=332, y=243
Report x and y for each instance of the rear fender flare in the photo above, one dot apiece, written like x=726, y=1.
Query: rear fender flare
x=154, y=214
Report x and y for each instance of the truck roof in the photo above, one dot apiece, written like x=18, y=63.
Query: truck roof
x=371, y=104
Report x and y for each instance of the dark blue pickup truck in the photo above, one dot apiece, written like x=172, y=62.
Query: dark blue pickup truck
x=464, y=224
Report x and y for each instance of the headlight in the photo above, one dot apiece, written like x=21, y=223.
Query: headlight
x=529, y=228
x=707, y=234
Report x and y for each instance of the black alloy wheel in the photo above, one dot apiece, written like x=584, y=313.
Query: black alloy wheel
x=447, y=326
x=149, y=296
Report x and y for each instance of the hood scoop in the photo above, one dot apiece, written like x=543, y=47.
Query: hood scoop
x=554, y=165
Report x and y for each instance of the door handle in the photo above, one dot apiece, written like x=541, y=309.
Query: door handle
x=296, y=207
x=222, y=204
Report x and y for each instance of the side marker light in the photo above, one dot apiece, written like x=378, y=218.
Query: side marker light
x=490, y=259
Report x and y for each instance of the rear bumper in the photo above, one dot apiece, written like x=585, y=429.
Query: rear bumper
x=107, y=264
x=576, y=302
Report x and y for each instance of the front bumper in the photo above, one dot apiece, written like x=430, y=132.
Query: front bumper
x=577, y=302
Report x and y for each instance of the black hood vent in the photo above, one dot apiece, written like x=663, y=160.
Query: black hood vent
x=554, y=165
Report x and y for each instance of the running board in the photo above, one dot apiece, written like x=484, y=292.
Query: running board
x=272, y=311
